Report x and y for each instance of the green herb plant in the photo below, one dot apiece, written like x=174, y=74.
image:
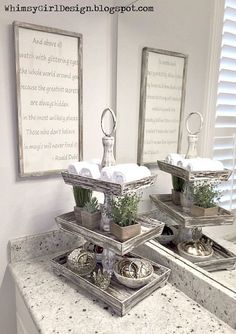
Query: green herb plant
x=178, y=183
x=124, y=210
x=206, y=195
x=92, y=205
x=81, y=196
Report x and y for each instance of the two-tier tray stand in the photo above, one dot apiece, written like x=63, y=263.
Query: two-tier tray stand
x=222, y=258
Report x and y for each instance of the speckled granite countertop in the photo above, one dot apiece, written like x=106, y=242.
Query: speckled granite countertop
x=226, y=277
x=58, y=306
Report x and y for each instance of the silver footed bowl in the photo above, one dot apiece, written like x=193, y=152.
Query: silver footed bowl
x=133, y=272
x=195, y=251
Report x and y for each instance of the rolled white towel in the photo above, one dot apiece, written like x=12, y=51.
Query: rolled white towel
x=174, y=158
x=183, y=163
x=96, y=162
x=107, y=172
x=204, y=164
x=218, y=165
x=145, y=171
x=128, y=175
x=91, y=170
x=75, y=167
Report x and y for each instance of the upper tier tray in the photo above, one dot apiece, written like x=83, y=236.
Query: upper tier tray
x=150, y=228
x=164, y=203
x=193, y=176
x=107, y=187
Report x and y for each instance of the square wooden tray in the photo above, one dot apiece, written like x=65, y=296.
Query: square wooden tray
x=193, y=176
x=107, y=187
x=150, y=228
x=165, y=204
x=120, y=298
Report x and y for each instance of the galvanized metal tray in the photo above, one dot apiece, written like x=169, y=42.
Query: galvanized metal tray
x=165, y=204
x=150, y=228
x=120, y=298
x=193, y=176
x=107, y=187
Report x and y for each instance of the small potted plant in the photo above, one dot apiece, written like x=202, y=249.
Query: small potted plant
x=81, y=196
x=205, y=198
x=178, y=185
x=91, y=215
x=123, y=212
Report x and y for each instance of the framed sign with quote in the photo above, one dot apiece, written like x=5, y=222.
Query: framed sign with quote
x=162, y=94
x=49, y=98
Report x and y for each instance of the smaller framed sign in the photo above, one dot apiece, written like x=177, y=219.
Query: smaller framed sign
x=163, y=78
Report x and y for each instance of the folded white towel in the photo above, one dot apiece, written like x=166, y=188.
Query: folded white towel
x=107, y=172
x=128, y=175
x=91, y=170
x=75, y=167
x=174, y=158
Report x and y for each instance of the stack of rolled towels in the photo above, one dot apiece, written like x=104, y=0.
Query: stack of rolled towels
x=174, y=158
x=121, y=173
x=195, y=164
x=89, y=168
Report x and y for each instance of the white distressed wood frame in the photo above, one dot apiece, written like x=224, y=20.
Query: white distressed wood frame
x=78, y=136
x=143, y=98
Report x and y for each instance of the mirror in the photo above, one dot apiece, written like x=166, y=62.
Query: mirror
x=183, y=27
x=226, y=277
x=162, y=94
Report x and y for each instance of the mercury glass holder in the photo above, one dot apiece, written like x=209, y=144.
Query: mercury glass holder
x=105, y=220
x=108, y=260
x=102, y=279
x=186, y=197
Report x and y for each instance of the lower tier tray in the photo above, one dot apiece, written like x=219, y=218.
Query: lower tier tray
x=165, y=204
x=222, y=259
x=150, y=228
x=120, y=298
